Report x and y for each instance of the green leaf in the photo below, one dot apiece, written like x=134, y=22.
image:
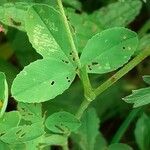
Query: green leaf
x=100, y=143
x=3, y=93
x=143, y=43
x=142, y=131
x=119, y=146
x=139, y=97
x=62, y=122
x=89, y=130
x=109, y=50
x=83, y=28
x=3, y=146
x=120, y=13
x=74, y=4
x=47, y=33
x=31, y=112
x=9, y=120
x=42, y=80
x=13, y=14
x=146, y=78
x=23, y=133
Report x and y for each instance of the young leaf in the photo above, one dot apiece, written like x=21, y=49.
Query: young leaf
x=31, y=112
x=146, y=78
x=88, y=131
x=119, y=146
x=142, y=132
x=139, y=97
x=9, y=120
x=62, y=122
x=47, y=33
x=42, y=80
x=120, y=13
x=13, y=14
x=3, y=94
x=109, y=50
x=23, y=133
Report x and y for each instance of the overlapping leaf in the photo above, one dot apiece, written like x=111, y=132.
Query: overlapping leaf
x=109, y=50
x=23, y=133
x=88, y=132
x=119, y=146
x=31, y=112
x=62, y=122
x=3, y=93
x=142, y=131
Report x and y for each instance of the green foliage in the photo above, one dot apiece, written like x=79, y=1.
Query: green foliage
x=41, y=75
x=31, y=112
x=50, y=45
x=115, y=45
x=88, y=132
x=62, y=122
x=139, y=97
x=119, y=146
x=120, y=13
x=22, y=133
x=142, y=131
x=13, y=14
x=47, y=32
x=3, y=94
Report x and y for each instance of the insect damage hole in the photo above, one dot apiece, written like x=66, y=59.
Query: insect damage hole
x=68, y=79
x=52, y=83
x=124, y=47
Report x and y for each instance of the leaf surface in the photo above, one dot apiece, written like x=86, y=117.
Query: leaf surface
x=109, y=50
x=47, y=32
x=139, y=97
x=3, y=93
x=42, y=80
x=62, y=122
x=119, y=146
x=142, y=131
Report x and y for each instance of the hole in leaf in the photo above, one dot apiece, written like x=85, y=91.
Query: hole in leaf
x=1, y=134
x=52, y=83
x=22, y=135
x=123, y=47
x=69, y=80
x=59, y=128
x=66, y=62
x=73, y=58
x=89, y=67
x=15, y=22
x=18, y=131
x=94, y=63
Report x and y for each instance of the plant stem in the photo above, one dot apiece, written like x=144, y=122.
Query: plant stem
x=82, y=108
x=135, y=61
x=124, y=126
x=69, y=33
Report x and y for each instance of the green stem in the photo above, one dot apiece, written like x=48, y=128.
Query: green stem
x=145, y=53
x=82, y=108
x=120, y=132
x=69, y=33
